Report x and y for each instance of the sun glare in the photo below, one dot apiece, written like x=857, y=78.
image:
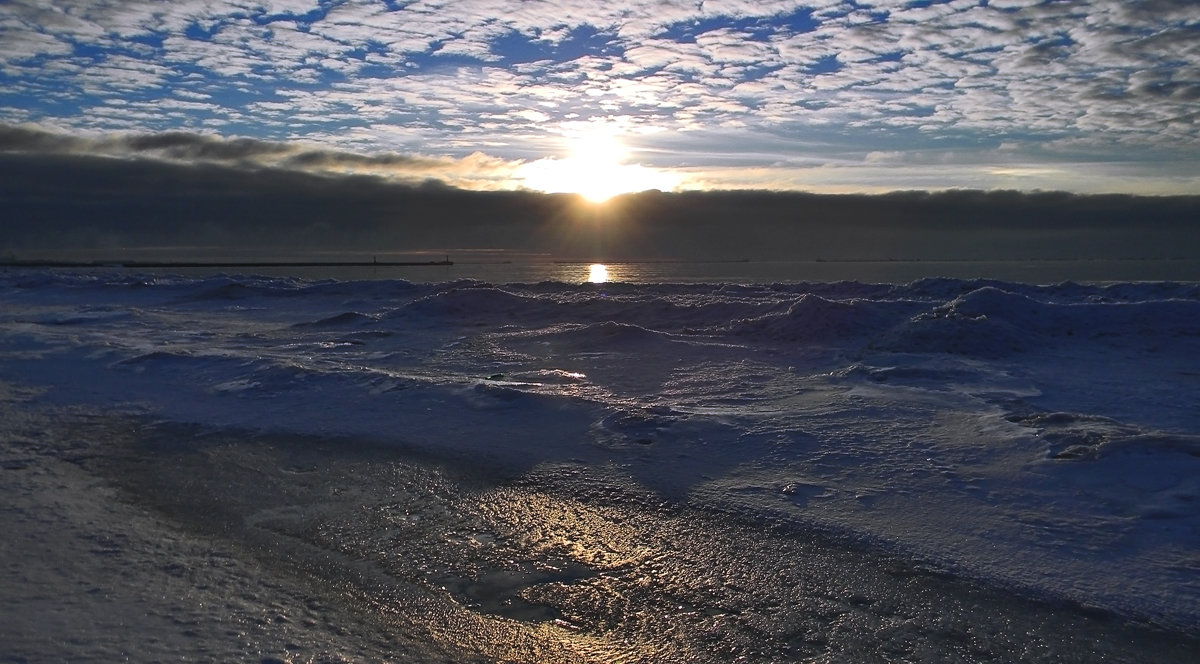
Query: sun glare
x=595, y=169
x=597, y=273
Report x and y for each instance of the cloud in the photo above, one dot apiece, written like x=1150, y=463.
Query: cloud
x=432, y=77
x=67, y=203
x=475, y=171
x=181, y=146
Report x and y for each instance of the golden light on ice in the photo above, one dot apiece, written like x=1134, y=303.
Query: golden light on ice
x=595, y=168
x=597, y=273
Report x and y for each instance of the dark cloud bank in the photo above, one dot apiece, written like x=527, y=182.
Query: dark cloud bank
x=62, y=204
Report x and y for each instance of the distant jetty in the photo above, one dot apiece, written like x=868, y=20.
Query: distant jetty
x=219, y=264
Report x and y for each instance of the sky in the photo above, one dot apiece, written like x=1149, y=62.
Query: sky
x=825, y=96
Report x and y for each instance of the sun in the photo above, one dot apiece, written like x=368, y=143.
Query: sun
x=595, y=168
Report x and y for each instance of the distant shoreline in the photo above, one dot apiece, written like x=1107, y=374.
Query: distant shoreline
x=99, y=263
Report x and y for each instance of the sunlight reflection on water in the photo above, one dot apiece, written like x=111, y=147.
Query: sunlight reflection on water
x=750, y=272
x=597, y=273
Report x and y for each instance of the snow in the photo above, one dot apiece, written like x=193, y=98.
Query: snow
x=1041, y=440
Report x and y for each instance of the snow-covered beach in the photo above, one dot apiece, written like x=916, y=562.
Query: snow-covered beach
x=274, y=468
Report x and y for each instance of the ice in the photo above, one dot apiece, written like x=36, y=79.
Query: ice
x=1041, y=439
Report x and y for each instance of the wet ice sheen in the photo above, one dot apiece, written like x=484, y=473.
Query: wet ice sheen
x=1040, y=439
x=571, y=563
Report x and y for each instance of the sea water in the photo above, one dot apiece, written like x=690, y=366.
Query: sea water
x=869, y=271
x=657, y=471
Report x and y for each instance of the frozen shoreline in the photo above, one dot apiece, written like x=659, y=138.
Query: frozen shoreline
x=1035, y=438
x=90, y=576
x=156, y=541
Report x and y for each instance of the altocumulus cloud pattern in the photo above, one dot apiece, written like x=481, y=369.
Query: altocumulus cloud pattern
x=737, y=93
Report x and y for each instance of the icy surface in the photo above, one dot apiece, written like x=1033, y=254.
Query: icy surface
x=1041, y=438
